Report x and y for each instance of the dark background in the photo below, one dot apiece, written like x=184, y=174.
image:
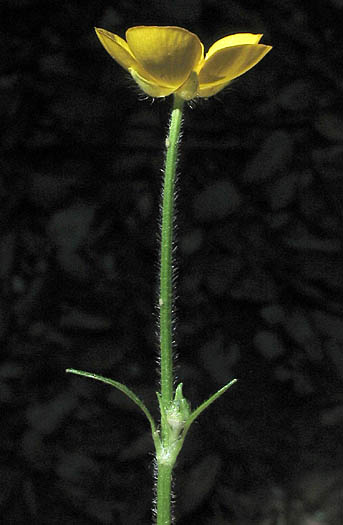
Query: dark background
x=259, y=281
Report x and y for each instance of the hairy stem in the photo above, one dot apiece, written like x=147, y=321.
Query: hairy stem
x=166, y=291
x=164, y=490
x=164, y=468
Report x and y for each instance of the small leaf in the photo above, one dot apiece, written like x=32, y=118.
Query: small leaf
x=123, y=389
x=181, y=403
x=196, y=413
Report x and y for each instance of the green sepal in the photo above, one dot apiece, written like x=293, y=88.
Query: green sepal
x=126, y=391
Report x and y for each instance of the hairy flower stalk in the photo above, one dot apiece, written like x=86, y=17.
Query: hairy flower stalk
x=166, y=291
x=165, y=459
x=164, y=61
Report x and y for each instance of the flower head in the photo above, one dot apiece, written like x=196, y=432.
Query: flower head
x=169, y=59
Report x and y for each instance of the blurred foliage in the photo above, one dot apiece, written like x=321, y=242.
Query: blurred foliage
x=259, y=279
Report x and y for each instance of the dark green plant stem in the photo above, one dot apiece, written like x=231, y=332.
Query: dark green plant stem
x=165, y=459
x=164, y=491
x=166, y=289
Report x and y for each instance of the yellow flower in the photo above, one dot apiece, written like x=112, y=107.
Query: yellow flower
x=166, y=60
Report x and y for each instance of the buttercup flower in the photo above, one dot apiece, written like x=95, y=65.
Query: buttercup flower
x=166, y=60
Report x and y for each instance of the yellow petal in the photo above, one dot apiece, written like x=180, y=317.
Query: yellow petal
x=169, y=54
x=231, y=62
x=150, y=87
x=116, y=47
x=208, y=90
x=119, y=50
x=234, y=40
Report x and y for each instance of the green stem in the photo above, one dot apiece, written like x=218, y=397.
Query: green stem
x=164, y=480
x=166, y=291
x=164, y=457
